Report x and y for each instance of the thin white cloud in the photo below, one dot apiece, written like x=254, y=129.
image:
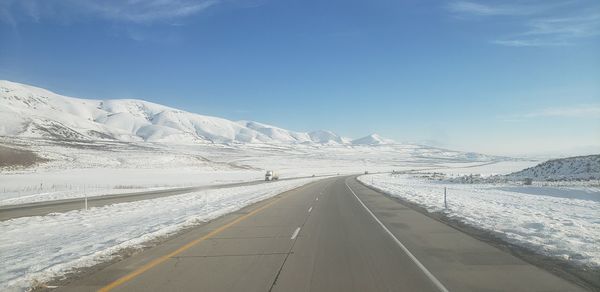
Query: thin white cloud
x=145, y=11
x=578, y=111
x=543, y=23
x=137, y=11
x=555, y=31
x=582, y=111
x=479, y=9
x=579, y=26
x=531, y=42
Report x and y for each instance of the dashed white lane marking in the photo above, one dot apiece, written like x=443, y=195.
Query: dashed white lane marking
x=309, y=209
x=427, y=273
x=317, y=198
x=295, y=233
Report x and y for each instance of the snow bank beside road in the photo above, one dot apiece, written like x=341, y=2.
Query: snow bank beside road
x=567, y=227
x=35, y=249
x=20, y=188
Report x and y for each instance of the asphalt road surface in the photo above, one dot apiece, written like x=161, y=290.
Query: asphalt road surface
x=331, y=235
x=59, y=206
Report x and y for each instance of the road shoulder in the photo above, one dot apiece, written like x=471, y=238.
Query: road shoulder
x=584, y=279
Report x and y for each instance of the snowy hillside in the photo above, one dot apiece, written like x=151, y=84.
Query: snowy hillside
x=28, y=111
x=286, y=136
x=276, y=133
x=31, y=112
x=571, y=168
x=373, y=139
x=326, y=137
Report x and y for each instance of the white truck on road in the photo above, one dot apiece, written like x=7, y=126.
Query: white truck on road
x=271, y=175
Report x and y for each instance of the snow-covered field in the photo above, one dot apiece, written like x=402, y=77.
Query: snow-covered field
x=560, y=222
x=77, y=168
x=51, y=245
x=483, y=169
x=35, y=249
x=19, y=188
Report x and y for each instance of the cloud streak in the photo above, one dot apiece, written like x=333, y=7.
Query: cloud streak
x=579, y=111
x=136, y=11
x=556, y=31
x=479, y=9
x=583, y=111
x=542, y=23
x=145, y=11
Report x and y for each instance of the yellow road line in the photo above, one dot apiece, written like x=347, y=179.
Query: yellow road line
x=185, y=247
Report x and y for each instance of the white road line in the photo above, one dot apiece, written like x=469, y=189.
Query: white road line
x=317, y=198
x=295, y=233
x=309, y=209
x=427, y=273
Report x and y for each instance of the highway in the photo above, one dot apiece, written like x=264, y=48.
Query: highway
x=58, y=206
x=331, y=235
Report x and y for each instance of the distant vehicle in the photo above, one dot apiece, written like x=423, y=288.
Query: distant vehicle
x=271, y=175
x=366, y=172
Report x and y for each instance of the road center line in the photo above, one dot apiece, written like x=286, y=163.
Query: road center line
x=427, y=273
x=185, y=247
x=295, y=233
x=309, y=209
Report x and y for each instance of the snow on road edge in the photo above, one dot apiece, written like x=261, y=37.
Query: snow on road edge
x=37, y=249
x=562, y=227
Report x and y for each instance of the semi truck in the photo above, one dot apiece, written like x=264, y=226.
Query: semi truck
x=271, y=175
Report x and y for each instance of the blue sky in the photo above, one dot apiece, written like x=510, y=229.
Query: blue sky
x=501, y=77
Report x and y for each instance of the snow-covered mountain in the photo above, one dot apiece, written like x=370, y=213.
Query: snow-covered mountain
x=28, y=111
x=327, y=137
x=276, y=133
x=373, y=139
x=283, y=135
x=570, y=168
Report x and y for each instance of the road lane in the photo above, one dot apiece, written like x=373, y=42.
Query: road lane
x=321, y=238
x=459, y=261
x=341, y=249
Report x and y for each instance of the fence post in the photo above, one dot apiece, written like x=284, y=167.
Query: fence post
x=445, y=201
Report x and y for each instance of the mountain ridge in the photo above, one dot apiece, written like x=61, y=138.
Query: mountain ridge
x=373, y=139
x=29, y=111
